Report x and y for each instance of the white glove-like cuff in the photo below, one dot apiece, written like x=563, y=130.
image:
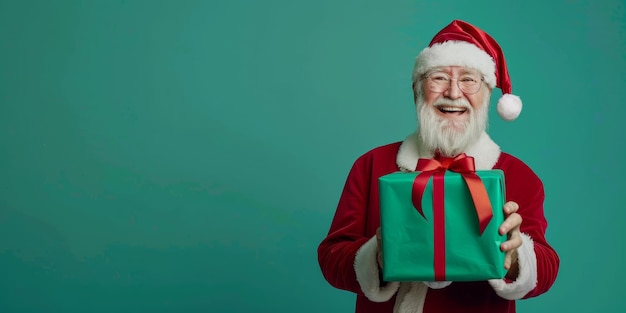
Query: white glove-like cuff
x=366, y=269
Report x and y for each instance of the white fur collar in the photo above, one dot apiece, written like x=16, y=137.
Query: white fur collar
x=485, y=152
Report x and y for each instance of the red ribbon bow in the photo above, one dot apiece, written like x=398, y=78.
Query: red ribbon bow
x=461, y=164
x=436, y=168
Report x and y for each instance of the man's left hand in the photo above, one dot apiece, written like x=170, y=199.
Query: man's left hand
x=511, y=227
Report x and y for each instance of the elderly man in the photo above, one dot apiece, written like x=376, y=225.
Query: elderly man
x=452, y=82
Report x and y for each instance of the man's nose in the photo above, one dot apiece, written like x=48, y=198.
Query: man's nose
x=454, y=92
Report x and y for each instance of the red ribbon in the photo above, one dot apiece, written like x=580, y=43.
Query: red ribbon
x=436, y=168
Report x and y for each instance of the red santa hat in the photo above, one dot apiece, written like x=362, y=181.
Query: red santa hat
x=463, y=44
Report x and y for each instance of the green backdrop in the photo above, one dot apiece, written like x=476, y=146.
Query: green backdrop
x=187, y=156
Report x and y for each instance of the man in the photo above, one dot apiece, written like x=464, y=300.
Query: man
x=452, y=82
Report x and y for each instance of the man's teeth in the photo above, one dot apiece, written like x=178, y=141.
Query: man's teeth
x=451, y=109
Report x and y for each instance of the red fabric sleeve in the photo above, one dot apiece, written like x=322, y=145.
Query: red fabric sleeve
x=347, y=231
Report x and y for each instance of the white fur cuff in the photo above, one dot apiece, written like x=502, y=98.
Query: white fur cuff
x=366, y=269
x=527, y=277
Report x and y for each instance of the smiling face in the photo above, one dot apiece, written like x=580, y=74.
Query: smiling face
x=451, y=118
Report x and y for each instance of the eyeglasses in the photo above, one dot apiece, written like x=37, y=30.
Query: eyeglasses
x=469, y=83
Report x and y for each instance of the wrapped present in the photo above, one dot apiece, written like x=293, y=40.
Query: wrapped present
x=441, y=222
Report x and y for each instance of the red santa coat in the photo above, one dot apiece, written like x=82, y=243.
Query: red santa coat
x=347, y=256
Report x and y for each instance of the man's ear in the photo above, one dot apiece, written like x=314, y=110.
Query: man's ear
x=414, y=92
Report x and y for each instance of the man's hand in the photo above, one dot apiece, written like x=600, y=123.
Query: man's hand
x=379, y=252
x=511, y=227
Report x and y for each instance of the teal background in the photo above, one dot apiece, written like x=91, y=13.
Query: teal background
x=187, y=156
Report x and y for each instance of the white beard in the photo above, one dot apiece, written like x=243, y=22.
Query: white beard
x=450, y=137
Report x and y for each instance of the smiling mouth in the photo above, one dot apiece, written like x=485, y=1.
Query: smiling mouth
x=451, y=110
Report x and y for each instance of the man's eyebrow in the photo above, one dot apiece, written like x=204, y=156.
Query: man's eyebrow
x=470, y=71
x=463, y=71
x=439, y=70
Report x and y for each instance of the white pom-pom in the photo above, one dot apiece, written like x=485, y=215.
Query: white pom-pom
x=509, y=107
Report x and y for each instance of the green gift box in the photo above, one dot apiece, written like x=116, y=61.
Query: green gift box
x=415, y=244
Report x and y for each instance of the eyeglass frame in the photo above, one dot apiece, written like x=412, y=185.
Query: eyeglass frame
x=429, y=73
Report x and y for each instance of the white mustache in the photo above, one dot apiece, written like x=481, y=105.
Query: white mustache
x=458, y=103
